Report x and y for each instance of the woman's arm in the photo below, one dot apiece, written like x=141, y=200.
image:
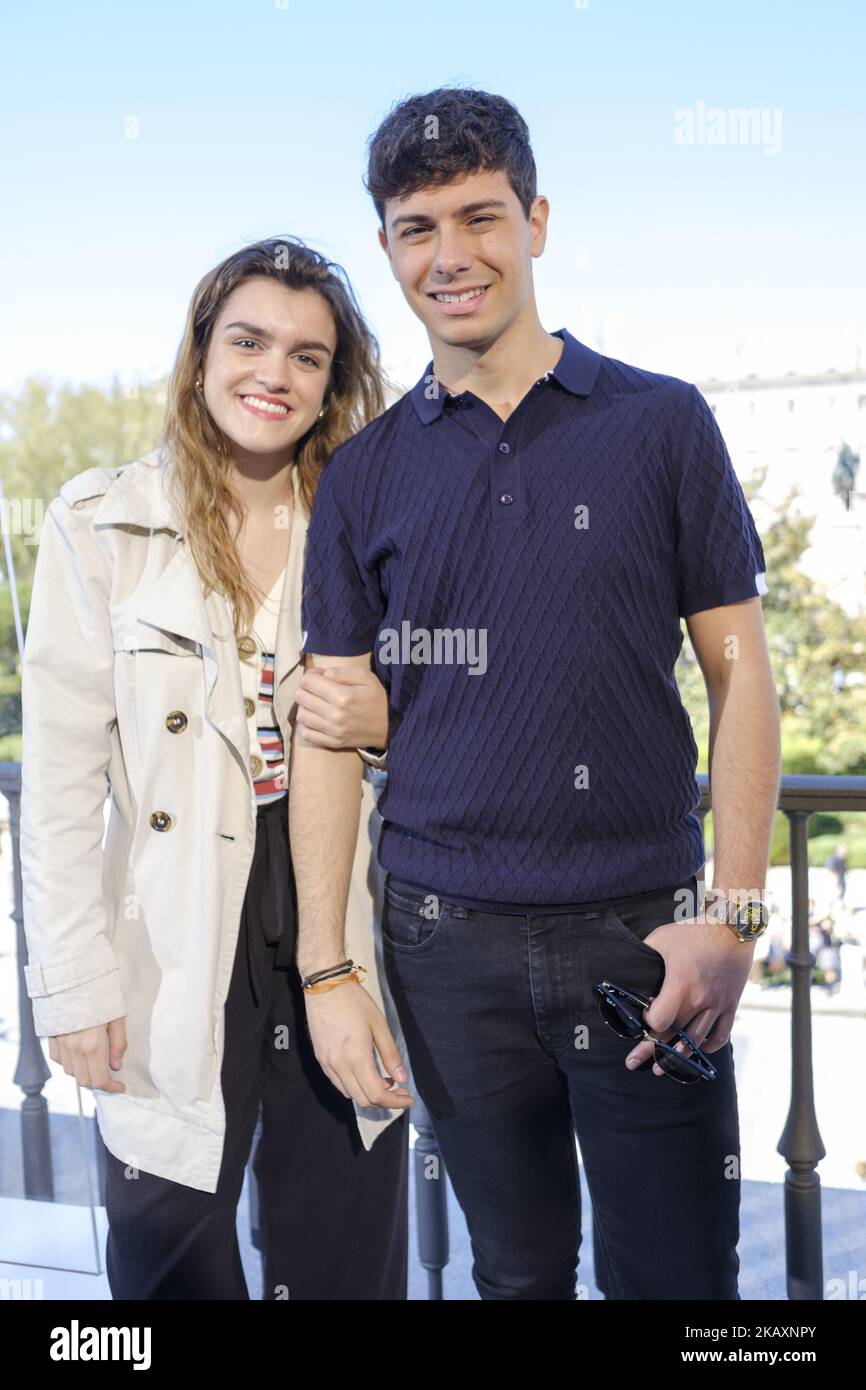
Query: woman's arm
x=345, y=707
x=68, y=709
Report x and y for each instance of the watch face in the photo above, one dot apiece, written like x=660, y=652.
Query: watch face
x=752, y=918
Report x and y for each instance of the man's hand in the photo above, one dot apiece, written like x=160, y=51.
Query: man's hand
x=342, y=707
x=345, y=1025
x=706, y=970
x=89, y=1053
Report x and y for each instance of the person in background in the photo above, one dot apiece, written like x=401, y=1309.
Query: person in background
x=837, y=863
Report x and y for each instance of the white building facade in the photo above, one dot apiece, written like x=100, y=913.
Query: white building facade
x=796, y=425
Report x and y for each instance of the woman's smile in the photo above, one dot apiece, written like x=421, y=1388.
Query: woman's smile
x=265, y=409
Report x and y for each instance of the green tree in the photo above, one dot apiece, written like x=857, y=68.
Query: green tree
x=47, y=435
x=817, y=652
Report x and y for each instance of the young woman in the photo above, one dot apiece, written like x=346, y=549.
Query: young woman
x=163, y=651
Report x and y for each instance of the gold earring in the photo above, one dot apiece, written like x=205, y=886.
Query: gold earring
x=321, y=413
x=198, y=383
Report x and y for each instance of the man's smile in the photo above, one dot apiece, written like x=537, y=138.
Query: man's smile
x=459, y=302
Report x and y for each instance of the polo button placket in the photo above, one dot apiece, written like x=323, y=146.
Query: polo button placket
x=505, y=485
x=507, y=502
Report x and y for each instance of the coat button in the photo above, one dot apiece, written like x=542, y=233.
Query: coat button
x=256, y=764
x=249, y=706
x=162, y=820
x=246, y=646
x=176, y=721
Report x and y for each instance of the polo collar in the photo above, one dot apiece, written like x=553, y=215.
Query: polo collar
x=576, y=370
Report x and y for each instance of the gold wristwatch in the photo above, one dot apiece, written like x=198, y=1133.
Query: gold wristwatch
x=747, y=920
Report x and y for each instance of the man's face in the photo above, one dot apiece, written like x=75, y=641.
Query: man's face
x=468, y=239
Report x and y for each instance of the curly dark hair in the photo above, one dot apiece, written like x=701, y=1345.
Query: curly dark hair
x=433, y=138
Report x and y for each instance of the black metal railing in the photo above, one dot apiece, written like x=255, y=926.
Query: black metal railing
x=800, y=1143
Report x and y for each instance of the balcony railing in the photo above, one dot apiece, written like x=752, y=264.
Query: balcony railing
x=800, y=1143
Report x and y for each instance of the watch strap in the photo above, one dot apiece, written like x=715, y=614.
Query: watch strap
x=718, y=907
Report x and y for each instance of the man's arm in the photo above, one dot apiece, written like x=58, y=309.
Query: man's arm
x=745, y=740
x=324, y=810
x=706, y=968
x=720, y=571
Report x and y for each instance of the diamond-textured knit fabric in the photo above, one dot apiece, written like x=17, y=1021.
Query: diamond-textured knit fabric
x=550, y=760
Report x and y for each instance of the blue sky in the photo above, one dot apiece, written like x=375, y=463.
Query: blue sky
x=252, y=120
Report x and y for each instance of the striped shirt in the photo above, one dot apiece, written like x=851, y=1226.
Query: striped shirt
x=267, y=753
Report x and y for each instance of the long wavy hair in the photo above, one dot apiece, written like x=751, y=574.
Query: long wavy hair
x=200, y=452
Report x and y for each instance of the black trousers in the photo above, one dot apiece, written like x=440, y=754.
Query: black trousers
x=510, y=1056
x=333, y=1216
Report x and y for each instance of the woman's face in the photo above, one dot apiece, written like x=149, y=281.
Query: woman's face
x=267, y=368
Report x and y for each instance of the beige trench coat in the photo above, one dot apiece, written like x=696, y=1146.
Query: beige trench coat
x=131, y=918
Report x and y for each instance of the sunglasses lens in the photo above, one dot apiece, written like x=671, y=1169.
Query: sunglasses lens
x=674, y=1064
x=614, y=1019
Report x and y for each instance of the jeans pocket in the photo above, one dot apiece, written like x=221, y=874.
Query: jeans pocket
x=411, y=922
x=633, y=932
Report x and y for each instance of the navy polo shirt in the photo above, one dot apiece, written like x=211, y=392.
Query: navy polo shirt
x=521, y=584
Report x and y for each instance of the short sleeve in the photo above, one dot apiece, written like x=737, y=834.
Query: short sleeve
x=719, y=556
x=342, y=605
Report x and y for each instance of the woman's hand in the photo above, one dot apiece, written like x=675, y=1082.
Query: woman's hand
x=89, y=1053
x=342, y=707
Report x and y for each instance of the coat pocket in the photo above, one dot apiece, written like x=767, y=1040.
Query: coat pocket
x=154, y=639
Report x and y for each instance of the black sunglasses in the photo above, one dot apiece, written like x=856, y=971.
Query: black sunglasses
x=614, y=1006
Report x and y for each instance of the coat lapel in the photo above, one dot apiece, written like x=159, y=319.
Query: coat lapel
x=175, y=602
x=288, y=657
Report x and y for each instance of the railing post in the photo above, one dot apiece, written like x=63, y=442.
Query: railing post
x=32, y=1070
x=801, y=1142
x=431, y=1180
x=431, y=1199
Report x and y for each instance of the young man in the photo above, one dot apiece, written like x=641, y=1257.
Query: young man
x=515, y=542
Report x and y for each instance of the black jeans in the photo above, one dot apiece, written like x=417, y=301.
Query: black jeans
x=510, y=1055
x=333, y=1216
